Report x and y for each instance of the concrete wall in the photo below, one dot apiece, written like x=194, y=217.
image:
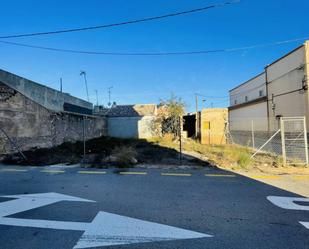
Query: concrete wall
x=241, y=119
x=130, y=127
x=250, y=89
x=31, y=125
x=285, y=79
x=43, y=95
x=213, y=124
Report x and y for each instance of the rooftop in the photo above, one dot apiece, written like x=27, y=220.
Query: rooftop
x=137, y=110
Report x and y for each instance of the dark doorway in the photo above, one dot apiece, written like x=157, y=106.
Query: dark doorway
x=189, y=124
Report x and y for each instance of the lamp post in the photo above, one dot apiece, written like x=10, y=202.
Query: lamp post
x=109, y=96
x=83, y=73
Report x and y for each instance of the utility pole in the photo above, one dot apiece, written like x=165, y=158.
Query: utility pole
x=86, y=84
x=84, y=140
x=180, y=139
x=109, y=96
x=96, y=93
x=197, y=124
x=60, y=84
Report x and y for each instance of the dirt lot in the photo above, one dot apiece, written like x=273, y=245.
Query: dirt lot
x=235, y=158
x=104, y=152
x=162, y=152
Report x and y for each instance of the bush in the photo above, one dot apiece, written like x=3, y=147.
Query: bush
x=125, y=155
x=244, y=159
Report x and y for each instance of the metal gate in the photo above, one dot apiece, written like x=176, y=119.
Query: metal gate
x=294, y=140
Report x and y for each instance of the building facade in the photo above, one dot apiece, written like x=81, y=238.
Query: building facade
x=131, y=121
x=280, y=91
x=212, y=123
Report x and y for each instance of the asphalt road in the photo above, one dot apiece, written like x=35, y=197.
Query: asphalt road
x=231, y=208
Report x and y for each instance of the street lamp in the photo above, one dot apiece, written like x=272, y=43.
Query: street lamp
x=83, y=73
x=109, y=96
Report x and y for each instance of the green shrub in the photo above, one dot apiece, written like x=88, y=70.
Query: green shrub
x=244, y=159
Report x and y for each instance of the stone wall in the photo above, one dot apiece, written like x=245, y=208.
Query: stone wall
x=32, y=125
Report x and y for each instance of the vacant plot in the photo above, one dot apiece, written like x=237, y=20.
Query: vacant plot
x=104, y=152
x=107, y=151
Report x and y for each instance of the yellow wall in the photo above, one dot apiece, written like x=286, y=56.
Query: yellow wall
x=213, y=122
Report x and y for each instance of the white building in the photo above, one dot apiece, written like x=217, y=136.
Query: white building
x=280, y=91
x=131, y=121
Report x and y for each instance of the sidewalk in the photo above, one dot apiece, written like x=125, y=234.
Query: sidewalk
x=296, y=183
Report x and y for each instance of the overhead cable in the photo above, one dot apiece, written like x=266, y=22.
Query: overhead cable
x=120, y=23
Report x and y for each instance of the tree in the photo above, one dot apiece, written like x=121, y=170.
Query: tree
x=169, y=116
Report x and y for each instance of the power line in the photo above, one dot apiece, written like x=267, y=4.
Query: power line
x=122, y=23
x=108, y=53
x=154, y=53
x=212, y=97
x=264, y=84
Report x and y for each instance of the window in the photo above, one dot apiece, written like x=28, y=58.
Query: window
x=261, y=93
x=235, y=102
x=246, y=98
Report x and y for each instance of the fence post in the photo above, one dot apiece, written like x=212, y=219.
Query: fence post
x=84, y=141
x=283, y=141
x=180, y=140
x=252, y=134
x=306, y=140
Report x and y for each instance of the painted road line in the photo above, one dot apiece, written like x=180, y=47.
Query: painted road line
x=106, y=229
x=301, y=177
x=52, y=171
x=90, y=172
x=174, y=174
x=14, y=170
x=289, y=202
x=305, y=224
x=219, y=175
x=132, y=173
x=266, y=177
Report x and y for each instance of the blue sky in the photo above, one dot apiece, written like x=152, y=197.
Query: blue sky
x=148, y=79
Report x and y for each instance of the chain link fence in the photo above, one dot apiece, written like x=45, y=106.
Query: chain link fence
x=294, y=140
x=286, y=137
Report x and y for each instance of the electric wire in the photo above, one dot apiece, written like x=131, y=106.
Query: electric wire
x=222, y=4
x=153, y=53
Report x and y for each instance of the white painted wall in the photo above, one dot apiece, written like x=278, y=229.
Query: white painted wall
x=130, y=127
x=284, y=76
x=285, y=80
x=241, y=119
x=251, y=89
